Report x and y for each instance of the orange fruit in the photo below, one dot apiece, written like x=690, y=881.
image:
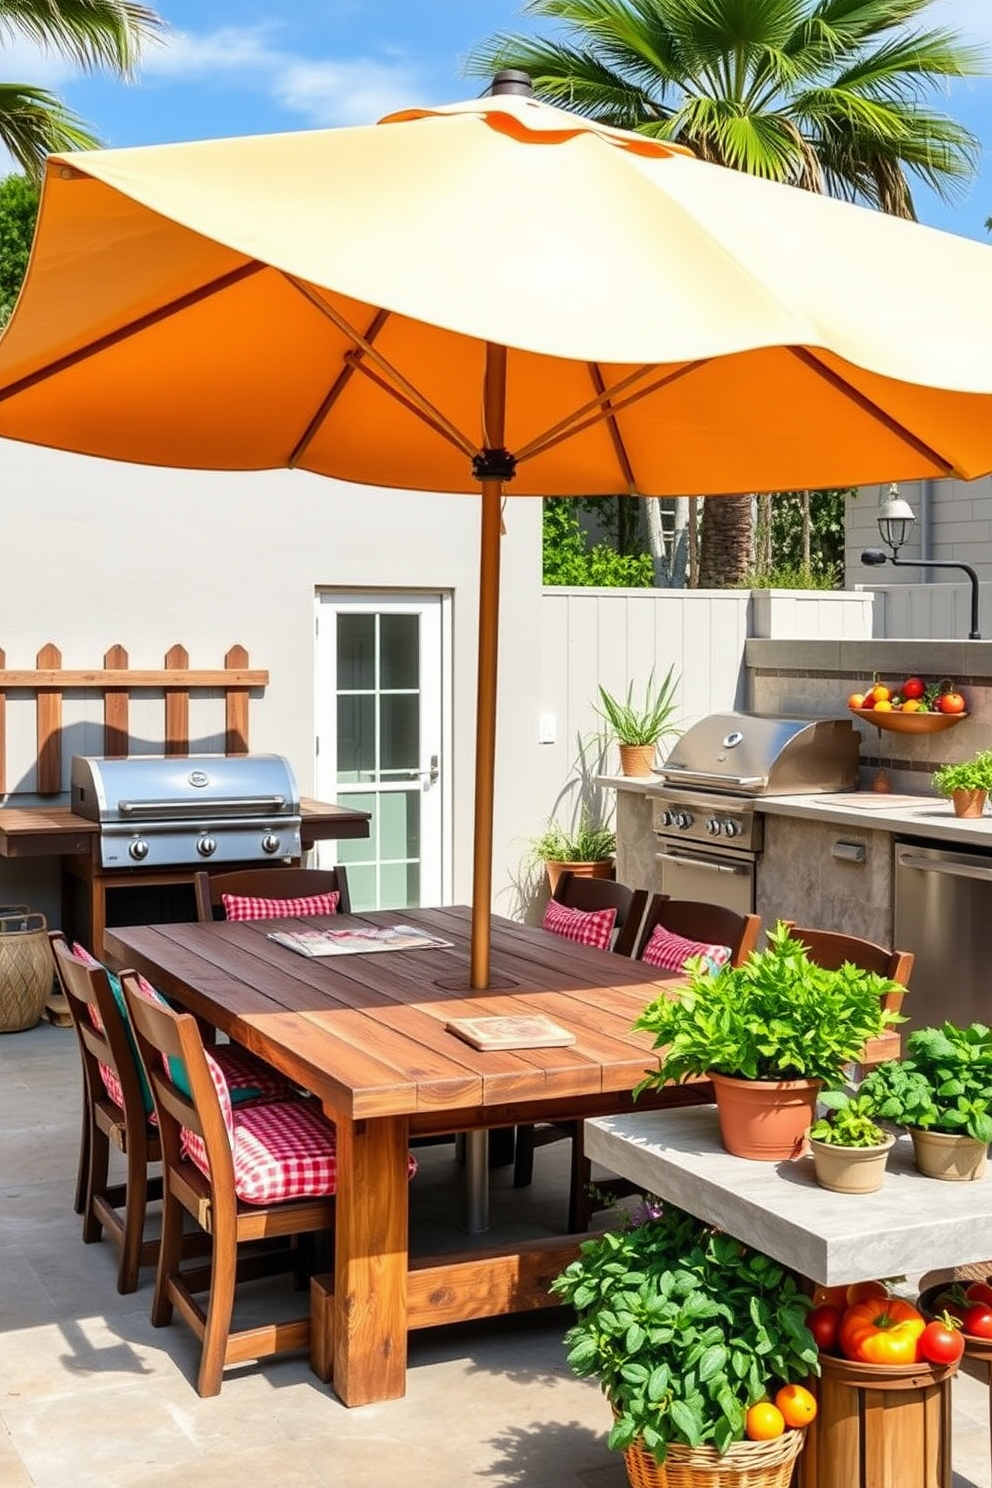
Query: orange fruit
x=883, y=706
x=912, y=705
x=880, y=693
x=764, y=1422
x=797, y=1404
x=856, y=700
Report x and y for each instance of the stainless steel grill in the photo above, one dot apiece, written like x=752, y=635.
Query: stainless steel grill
x=158, y=811
x=708, y=832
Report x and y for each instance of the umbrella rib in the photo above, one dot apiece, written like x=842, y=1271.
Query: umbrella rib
x=568, y=428
x=442, y=428
x=868, y=405
x=327, y=403
x=433, y=415
x=152, y=317
x=612, y=428
x=597, y=405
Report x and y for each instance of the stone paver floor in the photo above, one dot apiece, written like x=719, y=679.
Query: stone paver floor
x=91, y=1396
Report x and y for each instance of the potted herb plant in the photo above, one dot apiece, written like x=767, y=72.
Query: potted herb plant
x=638, y=728
x=967, y=784
x=769, y=1034
x=692, y=1335
x=942, y=1093
x=587, y=850
x=849, y=1148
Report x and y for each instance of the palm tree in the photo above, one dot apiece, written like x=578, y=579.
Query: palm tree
x=828, y=95
x=94, y=34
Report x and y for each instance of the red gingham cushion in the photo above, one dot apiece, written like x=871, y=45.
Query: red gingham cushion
x=589, y=927
x=245, y=907
x=669, y=952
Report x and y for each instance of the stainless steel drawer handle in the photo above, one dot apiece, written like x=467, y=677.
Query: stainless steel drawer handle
x=703, y=863
x=951, y=870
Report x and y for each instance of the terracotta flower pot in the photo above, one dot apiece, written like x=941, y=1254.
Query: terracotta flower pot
x=767, y=1120
x=602, y=868
x=958, y=1159
x=850, y=1170
x=636, y=759
x=969, y=802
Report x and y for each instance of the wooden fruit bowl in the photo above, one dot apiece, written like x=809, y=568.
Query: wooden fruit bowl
x=910, y=723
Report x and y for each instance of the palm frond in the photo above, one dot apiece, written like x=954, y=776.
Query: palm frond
x=93, y=34
x=35, y=123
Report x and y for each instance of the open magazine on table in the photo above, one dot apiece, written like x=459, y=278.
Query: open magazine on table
x=357, y=941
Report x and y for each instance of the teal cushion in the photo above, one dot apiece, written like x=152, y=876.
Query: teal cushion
x=118, y=991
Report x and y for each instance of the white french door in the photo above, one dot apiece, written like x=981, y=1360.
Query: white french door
x=383, y=728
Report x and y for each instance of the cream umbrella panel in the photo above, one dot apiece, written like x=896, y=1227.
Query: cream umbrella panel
x=493, y=297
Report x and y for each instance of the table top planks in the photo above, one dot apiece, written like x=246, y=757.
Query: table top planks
x=366, y=1032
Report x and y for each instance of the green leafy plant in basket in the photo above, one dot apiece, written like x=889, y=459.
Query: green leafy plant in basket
x=685, y=1328
x=777, y=1017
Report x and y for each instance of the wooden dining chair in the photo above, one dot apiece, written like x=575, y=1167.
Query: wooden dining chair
x=117, y=1105
x=673, y=931
x=588, y=898
x=243, y=1174
x=269, y=893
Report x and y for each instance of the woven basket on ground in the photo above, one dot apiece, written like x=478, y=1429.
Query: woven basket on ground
x=25, y=968
x=745, y=1464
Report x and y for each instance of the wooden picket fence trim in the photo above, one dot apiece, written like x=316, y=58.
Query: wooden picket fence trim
x=49, y=680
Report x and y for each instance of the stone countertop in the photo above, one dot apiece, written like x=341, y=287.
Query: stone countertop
x=911, y=1224
x=920, y=816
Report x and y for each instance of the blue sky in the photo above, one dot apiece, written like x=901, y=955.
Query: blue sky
x=255, y=66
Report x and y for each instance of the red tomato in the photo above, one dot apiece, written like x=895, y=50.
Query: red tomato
x=940, y=1344
x=978, y=1321
x=979, y=1291
x=824, y=1324
x=913, y=687
x=951, y=702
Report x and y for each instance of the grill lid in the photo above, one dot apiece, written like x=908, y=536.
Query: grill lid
x=166, y=788
x=757, y=754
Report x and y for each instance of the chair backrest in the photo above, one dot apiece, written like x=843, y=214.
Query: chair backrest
x=831, y=949
x=577, y=892
x=268, y=883
x=104, y=1037
x=170, y=1043
x=713, y=924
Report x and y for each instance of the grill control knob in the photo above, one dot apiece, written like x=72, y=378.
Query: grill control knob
x=713, y=826
x=206, y=846
x=664, y=818
x=684, y=820
x=731, y=828
x=138, y=849
x=271, y=843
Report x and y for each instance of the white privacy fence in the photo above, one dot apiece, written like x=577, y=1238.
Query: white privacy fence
x=932, y=612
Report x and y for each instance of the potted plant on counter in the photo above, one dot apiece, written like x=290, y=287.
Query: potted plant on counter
x=770, y=1034
x=941, y=1092
x=699, y=1344
x=966, y=784
x=587, y=850
x=638, y=729
x=849, y=1148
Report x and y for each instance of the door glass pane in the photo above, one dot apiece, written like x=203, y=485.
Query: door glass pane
x=356, y=651
x=399, y=885
x=362, y=888
x=400, y=648
x=399, y=825
x=356, y=738
x=357, y=849
x=399, y=723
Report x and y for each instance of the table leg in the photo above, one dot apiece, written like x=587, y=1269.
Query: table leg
x=475, y=1216
x=370, y=1261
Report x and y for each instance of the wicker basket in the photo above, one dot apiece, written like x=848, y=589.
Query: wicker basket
x=745, y=1464
x=26, y=968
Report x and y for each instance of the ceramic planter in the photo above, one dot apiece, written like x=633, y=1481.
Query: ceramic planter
x=969, y=802
x=636, y=759
x=766, y=1120
x=958, y=1159
x=850, y=1170
x=602, y=868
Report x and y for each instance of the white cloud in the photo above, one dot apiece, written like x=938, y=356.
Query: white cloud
x=324, y=92
x=23, y=62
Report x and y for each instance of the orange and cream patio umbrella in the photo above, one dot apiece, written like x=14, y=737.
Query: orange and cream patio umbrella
x=500, y=297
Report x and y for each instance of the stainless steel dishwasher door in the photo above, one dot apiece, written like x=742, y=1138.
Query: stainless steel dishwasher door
x=943, y=914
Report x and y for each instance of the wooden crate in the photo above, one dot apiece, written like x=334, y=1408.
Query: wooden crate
x=879, y=1426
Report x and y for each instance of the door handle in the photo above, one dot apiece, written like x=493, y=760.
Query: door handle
x=704, y=863
x=951, y=870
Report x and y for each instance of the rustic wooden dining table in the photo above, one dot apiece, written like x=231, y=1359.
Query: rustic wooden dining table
x=366, y=1034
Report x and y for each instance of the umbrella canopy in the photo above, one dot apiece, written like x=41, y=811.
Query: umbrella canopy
x=493, y=290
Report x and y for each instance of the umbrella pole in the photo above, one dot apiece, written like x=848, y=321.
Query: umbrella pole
x=492, y=467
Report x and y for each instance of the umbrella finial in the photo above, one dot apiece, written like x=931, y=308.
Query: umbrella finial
x=512, y=81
